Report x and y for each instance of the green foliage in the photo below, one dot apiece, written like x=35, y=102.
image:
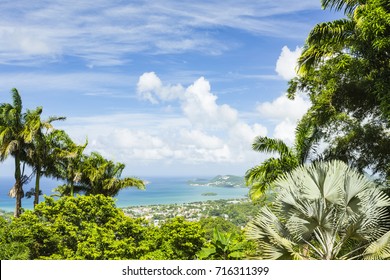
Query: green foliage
x=223, y=246
x=325, y=210
x=209, y=224
x=178, y=239
x=10, y=250
x=92, y=228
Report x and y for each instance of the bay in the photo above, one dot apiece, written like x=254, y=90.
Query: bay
x=159, y=190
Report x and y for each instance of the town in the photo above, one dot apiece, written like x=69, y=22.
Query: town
x=238, y=211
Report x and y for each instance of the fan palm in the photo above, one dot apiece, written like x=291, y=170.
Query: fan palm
x=260, y=177
x=324, y=210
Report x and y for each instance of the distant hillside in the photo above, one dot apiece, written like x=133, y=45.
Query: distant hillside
x=226, y=181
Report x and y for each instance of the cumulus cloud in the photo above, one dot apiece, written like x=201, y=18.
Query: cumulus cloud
x=287, y=62
x=285, y=113
x=198, y=104
x=150, y=87
x=283, y=108
x=285, y=130
x=201, y=108
x=203, y=131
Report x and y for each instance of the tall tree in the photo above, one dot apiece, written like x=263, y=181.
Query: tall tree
x=13, y=141
x=344, y=68
x=261, y=177
x=40, y=154
x=324, y=210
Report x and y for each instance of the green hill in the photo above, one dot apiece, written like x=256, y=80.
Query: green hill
x=226, y=181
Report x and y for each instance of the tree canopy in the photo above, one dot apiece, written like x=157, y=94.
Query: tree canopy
x=344, y=68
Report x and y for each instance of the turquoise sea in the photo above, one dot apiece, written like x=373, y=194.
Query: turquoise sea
x=158, y=191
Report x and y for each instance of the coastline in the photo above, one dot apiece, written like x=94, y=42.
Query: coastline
x=160, y=191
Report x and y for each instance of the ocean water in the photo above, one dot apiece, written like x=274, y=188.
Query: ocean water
x=158, y=191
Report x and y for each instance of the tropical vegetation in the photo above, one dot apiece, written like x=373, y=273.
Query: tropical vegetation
x=91, y=227
x=344, y=69
x=34, y=142
x=324, y=210
x=320, y=205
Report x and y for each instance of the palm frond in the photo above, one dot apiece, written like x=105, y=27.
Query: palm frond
x=16, y=100
x=324, y=41
x=307, y=135
x=379, y=249
x=348, y=5
x=270, y=145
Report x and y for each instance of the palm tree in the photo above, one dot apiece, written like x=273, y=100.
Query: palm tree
x=68, y=161
x=102, y=176
x=40, y=152
x=261, y=177
x=13, y=141
x=324, y=210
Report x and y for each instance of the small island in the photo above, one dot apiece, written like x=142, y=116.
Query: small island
x=209, y=194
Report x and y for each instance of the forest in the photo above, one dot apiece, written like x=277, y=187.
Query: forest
x=325, y=197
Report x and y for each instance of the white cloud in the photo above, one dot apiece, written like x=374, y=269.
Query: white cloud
x=287, y=62
x=198, y=103
x=283, y=108
x=285, y=130
x=200, y=107
x=285, y=113
x=150, y=87
x=203, y=131
x=198, y=138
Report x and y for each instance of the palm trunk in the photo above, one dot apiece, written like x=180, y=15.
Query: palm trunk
x=18, y=187
x=71, y=189
x=36, y=193
x=72, y=186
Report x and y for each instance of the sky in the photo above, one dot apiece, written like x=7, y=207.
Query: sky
x=170, y=88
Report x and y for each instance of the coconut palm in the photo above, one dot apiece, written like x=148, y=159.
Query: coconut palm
x=40, y=151
x=14, y=138
x=324, y=210
x=102, y=176
x=260, y=177
x=68, y=161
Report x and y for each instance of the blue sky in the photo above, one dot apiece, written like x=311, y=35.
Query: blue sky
x=166, y=87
